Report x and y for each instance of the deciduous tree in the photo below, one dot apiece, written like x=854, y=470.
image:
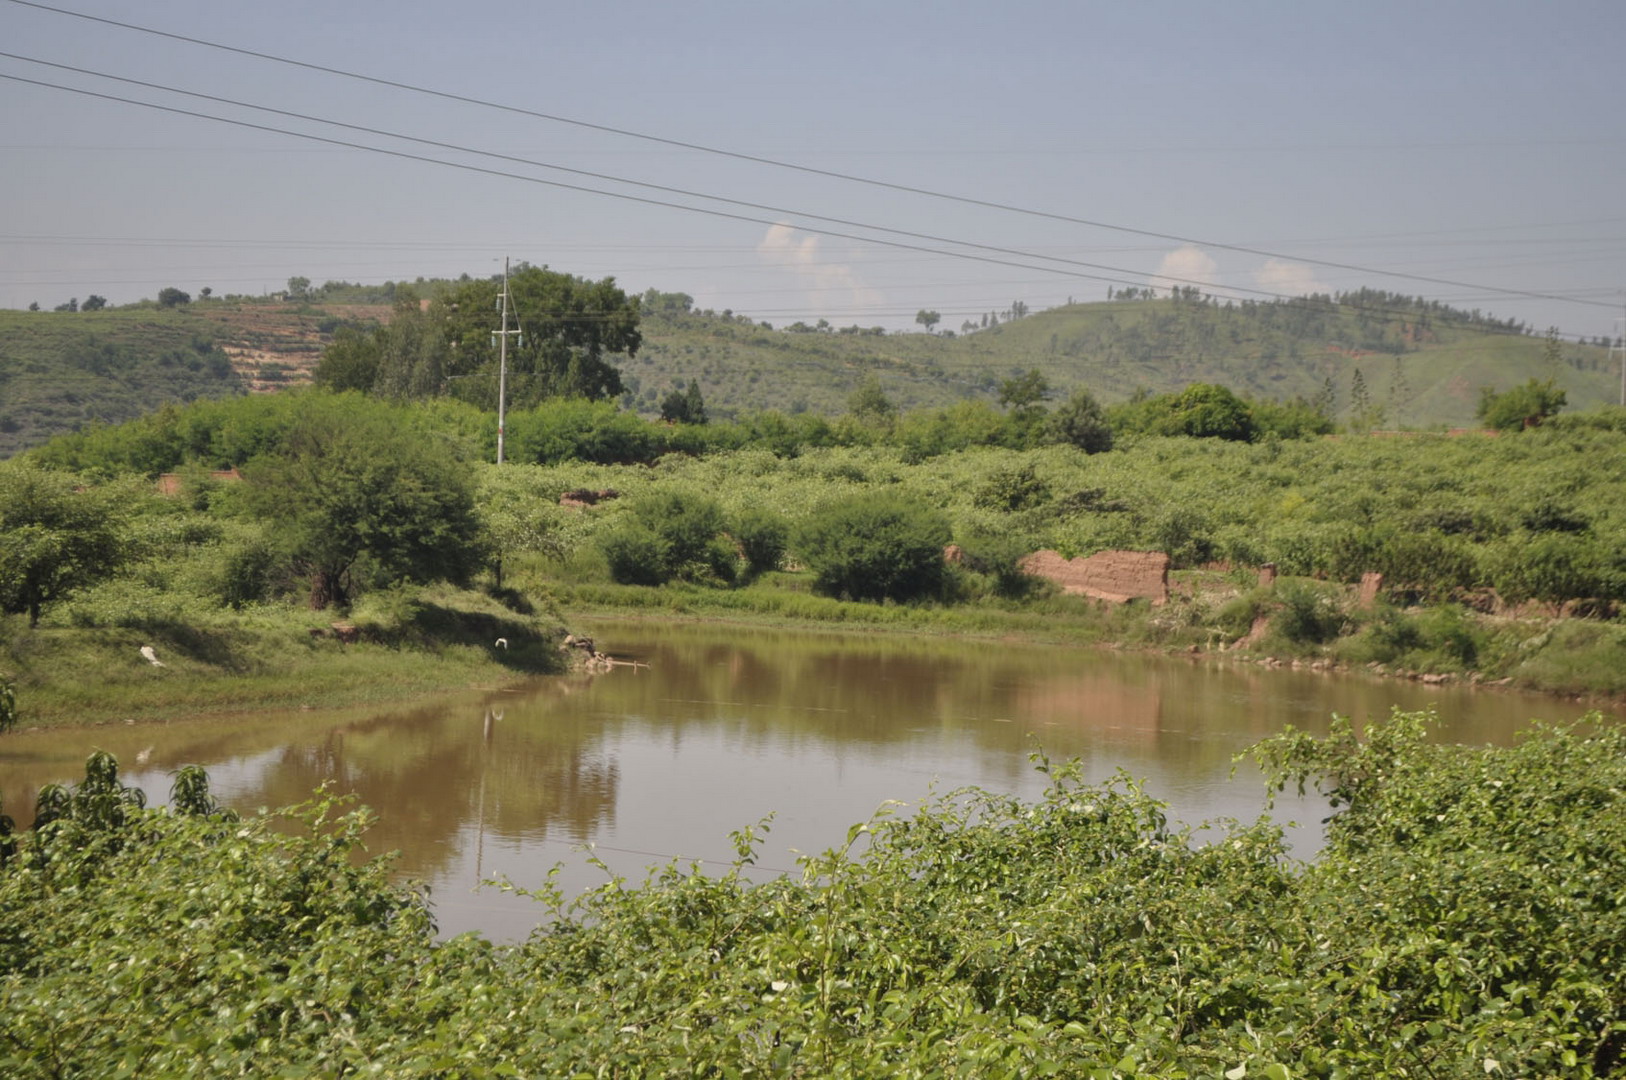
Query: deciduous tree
x=56, y=535
x=572, y=332
x=355, y=480
x=1082, y=422
x=1521, y=407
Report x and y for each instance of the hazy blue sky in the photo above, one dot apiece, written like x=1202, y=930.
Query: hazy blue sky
x=1482, y=142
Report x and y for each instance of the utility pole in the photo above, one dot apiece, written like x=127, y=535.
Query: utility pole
x=502, y=361
x=1617, y=347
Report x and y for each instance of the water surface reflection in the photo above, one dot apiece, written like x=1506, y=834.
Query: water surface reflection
x=727, y=724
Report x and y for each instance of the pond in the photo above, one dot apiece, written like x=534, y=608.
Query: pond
x=720, y=725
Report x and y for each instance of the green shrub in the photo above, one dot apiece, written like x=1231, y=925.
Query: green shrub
x=246, y=573
x=1184, y=534
x=635, y=554
x=8, y=705
x=1557, y=566
x=763, y=537
x=874, y=547
x=1305, y=616
x=687, y=523
x=1386, y=637
x=1236, y=617
x=998, y=557
x=1010, y=489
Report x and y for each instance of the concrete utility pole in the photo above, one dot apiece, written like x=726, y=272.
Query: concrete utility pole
x=502, y=361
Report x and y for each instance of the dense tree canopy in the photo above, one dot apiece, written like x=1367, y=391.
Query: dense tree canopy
x=55, y=536
x=875, y=547
x=1521, y=407
x=1082, y=422
x=353, y=481
x=570, y=331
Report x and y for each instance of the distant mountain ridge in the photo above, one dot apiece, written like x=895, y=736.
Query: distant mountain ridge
x=1401, y=361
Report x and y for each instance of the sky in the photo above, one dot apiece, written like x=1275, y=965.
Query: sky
x=852, y=161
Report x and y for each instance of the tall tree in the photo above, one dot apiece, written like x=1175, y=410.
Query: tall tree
x=928, y=319
x=572, y=331
x=684, y=406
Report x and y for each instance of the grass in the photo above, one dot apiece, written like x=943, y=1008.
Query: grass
x=409, y=643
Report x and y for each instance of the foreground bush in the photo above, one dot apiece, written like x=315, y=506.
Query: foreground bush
x=1467, y=918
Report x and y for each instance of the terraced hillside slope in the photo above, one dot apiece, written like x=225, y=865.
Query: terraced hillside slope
x=1387, y=360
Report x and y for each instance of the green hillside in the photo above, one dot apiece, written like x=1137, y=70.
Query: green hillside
x=60, y=370
x=1421, y=364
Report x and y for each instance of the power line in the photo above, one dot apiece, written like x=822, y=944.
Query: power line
x=808, y=169
x=686, y=193
x=1134, y=279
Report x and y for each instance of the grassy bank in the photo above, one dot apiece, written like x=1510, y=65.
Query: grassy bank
x=394, y=645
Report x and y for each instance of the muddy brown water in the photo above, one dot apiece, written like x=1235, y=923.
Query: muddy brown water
x=720, y=725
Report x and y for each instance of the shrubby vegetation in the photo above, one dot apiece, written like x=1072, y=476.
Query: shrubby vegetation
x=1464, y=919
x=875, y=547
x=395, y=492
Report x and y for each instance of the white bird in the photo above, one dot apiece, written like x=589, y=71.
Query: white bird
x=502, y=643
x=151, y=657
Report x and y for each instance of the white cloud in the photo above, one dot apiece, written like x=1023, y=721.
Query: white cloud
x=1185, y=266
x=1288, y=278
x=830, y=287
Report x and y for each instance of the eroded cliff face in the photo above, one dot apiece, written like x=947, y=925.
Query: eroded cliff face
x=1115, y=576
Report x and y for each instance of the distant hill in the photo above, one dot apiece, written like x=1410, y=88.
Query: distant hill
x=1421, y=364
x=62, y=370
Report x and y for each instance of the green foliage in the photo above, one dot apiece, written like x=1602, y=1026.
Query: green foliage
x=874, y=547
x=1297, y=419
x=1082, y=422
x=172, y=297
x=574, y=429
x=763, y=537
x=998, y=557
x=8, y=705
x=55, y=537
x=635, y=554
x=688, y=525
x=1521, y=407
x=351, y=361
x=670, y=534
x=351, y=480
x=1557, y=566
x=1015, y=488
x=684, y=406
x=1305, y=615
x=1202, y=410
x=572, y=331
x=1443, y=639
x=1462, y=920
